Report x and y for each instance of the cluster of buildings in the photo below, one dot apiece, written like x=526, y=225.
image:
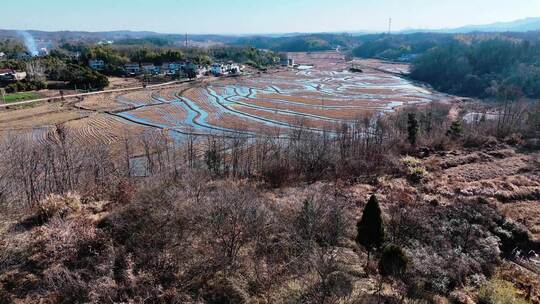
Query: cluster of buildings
x=9, y=75
x=172, y=68
x=218, y=69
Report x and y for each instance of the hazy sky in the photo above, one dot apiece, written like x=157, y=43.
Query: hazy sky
x=257, y=16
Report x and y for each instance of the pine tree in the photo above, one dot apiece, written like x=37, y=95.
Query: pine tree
x=307, y=221
x=212, y=158
x=456, y=130
x=412, y=128
x=370, y=228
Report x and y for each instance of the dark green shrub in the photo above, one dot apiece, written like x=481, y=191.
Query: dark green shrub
x=393, y=261
x=370, y=228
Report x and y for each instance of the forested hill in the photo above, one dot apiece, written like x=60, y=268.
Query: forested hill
x=482, y=68
x=476, y=65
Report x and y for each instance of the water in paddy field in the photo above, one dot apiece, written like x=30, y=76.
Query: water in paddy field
x=317, y=95
x=305, y=67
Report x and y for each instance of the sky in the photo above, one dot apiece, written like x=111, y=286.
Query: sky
x=257, y=16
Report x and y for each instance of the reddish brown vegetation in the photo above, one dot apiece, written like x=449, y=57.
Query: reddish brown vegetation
x=177, y=226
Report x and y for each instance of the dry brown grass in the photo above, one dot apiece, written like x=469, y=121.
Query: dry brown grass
x=42, y=115
x=526, y=213
x=527, y=281
x=502, y=176
x=63, y=239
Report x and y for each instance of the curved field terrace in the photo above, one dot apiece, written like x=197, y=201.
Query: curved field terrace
x=318, y=94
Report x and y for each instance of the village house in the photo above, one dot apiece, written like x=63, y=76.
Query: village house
x=177, y=67
x=230, y=68
x=217, y=69
x=96, y=64
x=172, y=68
x=2, y=55
x=9, y=75
x=165, y=67
x=196, y=69
x=286, y=62
x=234, y=69
x=150, y=68
x=71, y=55
x=132, y=68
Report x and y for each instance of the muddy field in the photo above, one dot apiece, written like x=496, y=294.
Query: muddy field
x=320, y=93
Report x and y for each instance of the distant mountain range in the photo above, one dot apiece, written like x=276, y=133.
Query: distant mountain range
x=522, y=25
x=74, y=36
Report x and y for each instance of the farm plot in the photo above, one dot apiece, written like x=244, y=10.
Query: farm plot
x=38, y=117
x=102, y=128
x=320, y=93
x=40, y=124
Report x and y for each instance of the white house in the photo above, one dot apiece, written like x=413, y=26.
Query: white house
x=233, y=69
x=230, y=68
x=96, y=64
x=2, y=55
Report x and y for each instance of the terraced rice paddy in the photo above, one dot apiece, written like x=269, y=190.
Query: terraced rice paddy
x=321, y=93
x=318, y=95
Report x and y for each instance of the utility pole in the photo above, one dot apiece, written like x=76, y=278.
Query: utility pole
x=186, y=40
x=3, y=95
x=389, y=26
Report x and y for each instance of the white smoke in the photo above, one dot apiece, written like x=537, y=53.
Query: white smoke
x=29, y=42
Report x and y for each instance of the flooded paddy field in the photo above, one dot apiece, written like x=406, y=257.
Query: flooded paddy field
x=319, y=94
